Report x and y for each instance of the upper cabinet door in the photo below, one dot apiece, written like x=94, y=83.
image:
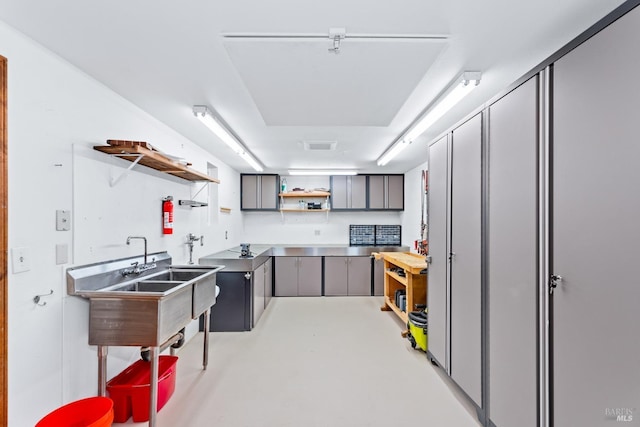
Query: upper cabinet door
x=339, y=192
x=358, y=192
x=595, y=214
x=269, y=191
x=386, y=192
x=395, y=192
x=249, y=191
x=376, y=192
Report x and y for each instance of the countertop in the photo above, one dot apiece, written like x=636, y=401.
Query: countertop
x=260, y=253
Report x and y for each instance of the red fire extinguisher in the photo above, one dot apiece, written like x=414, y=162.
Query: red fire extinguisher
x=167, y=215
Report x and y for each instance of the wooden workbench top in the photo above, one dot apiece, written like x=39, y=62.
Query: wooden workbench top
x=413, y=263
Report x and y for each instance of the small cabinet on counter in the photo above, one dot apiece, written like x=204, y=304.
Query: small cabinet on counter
x=347, y=275
x=298, y=276
x=258, y=192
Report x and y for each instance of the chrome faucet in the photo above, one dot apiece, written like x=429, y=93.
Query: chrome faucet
x=137, y=269
x=191, y=239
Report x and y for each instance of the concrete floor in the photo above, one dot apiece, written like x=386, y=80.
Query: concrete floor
x=313, y=362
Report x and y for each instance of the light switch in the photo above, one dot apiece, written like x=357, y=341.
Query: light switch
x=62, y=254
x=21, y=260
x=63, y=220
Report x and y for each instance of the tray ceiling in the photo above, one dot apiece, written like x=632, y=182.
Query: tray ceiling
x=299, y=82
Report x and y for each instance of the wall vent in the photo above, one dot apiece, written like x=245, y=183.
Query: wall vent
x=320, y=145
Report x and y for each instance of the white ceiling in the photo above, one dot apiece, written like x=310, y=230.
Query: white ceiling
x=166, y=56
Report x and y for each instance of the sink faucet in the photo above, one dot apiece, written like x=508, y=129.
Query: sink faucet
x=191, y=239
x=145, y=244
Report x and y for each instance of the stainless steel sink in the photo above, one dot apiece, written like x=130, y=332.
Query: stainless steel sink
x=146, y=309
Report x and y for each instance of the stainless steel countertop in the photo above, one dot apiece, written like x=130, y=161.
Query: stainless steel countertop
x=233, y=263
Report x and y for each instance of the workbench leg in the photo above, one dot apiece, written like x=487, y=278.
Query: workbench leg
x=153, y=383
x=102, y=370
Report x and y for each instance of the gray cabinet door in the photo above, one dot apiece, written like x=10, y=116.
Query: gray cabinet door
x=376, y=192
x=378, y=277
x=359, y=276
x=258, y=294
x=269, y=191
x=438, y=295
x=249, y=190
x=310, y=276
x=595, y=214
x=395, y=192
x=513, y=258
x=339, y=192
x=268, y=281
x=335, y=275
x=358, y=192
x=466, y=301
x=286, y=276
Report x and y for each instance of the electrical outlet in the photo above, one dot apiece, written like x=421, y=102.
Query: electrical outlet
x=62, y=254
x=21, y=260
x=316, y=232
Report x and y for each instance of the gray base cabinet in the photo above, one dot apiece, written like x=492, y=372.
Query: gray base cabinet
x=378, y=277
x=258, y=294
x=347, y=276
x=298, y=276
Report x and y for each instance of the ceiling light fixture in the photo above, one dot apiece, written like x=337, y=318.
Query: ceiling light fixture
x=322, y=172
x=215, y=125
x=450, y=97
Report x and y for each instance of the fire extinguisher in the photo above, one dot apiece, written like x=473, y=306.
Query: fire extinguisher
x=167, y=215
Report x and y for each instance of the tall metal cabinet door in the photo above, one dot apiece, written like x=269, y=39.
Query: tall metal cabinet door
x=269, y=191
x=258, y=294
x=359, y=276
x=335, y=275
x=310, y=276
x=513, y=258
x=595, y=223
x=358, y=192
x=249, y=190
x=466, y=321
x=286, y=276
x=437, y=299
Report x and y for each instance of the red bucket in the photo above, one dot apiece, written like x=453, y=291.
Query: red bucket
x=90, y=412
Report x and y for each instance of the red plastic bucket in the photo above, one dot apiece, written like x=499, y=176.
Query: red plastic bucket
x=90, y=412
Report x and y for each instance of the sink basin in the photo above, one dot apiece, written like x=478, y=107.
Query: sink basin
x=179, y=274
x=154, y=286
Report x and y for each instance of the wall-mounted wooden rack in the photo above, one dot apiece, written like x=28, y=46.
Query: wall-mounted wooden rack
x=138, y=154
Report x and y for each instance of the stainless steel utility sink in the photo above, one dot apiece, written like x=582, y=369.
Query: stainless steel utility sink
x=144, y=309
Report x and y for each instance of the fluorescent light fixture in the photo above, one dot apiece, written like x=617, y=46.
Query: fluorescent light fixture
x=205, y=116
x=454, y=93
x=322, y=172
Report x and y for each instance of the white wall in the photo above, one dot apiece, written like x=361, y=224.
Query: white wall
x=55, y=115
x=412, y=199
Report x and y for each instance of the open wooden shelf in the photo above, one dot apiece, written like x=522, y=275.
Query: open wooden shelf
x=154, y=160
x=305, y=194
x=397, y=277
x=401, y=314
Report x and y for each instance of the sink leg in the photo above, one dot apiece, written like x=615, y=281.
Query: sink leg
x=102, y=370
x=205, y=352
x=153, y=383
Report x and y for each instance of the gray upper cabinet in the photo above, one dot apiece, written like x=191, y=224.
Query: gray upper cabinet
x=367, y=192
x=386, y=192
x=349, y=192
x=258, y=192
